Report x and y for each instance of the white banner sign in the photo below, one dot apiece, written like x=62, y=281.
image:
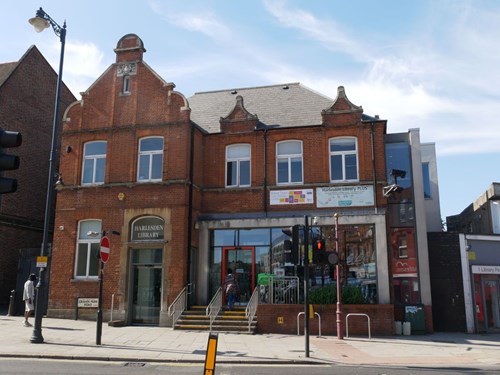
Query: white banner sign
x=489, y=270
x=345, y=196
x=298, y=196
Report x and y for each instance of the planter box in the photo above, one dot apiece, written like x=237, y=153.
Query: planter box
x=283, y=319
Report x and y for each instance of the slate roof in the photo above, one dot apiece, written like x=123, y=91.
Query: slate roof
x=284, y=105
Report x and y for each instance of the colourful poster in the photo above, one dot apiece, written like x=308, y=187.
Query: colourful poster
x=299, y=196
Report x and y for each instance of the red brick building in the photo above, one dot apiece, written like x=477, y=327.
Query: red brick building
x=27, y=94
x=196, y=185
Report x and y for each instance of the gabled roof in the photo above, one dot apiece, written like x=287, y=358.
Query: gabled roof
x=285, y=105
x=5, y=70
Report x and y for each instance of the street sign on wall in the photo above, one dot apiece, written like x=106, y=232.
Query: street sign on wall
x=104, y=249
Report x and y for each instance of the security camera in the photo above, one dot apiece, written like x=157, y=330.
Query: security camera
x=398, y=173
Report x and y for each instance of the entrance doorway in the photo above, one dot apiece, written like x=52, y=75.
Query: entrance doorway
x=492, y=302
x=146, y=286
x=241, y=260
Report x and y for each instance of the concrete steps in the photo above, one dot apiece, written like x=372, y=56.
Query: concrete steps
x=227, y=321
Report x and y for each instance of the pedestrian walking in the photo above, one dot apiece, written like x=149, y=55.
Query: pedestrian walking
x=29, y=298
x=231, y=288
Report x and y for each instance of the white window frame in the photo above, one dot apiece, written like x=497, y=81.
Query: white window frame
x=403, y=247
x=93, y=159
x=83, y=239
x=151, y=155
x=343, y=155
x=288, y=157
x=238, y=161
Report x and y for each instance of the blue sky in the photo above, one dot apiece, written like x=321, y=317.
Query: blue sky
x=428, y=64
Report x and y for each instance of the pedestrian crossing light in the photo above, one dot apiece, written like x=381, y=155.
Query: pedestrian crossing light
x=8, y=162
x=319, y=251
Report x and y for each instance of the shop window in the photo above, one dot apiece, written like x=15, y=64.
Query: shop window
x=150, y=163
x=87, y=251
x=289, y=162
x=343, y=159
x=94, y=163
x=238, y=166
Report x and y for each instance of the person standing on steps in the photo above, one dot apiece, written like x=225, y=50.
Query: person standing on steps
x=231, y=288
x=29, y=298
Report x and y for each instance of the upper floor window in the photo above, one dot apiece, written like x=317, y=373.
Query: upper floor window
x=343, y=159
x=88, y=248
x=402, y=247
x=289, y=162
x=427, y=180
x=150, y=164
x=238, y=165
x=126, y=84
x=94, y=162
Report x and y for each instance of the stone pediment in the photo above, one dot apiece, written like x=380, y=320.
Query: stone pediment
x=342, y=105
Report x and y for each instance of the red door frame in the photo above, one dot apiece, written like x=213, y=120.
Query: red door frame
x=225, y=249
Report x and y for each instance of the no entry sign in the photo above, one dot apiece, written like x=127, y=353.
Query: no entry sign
x=104, y=249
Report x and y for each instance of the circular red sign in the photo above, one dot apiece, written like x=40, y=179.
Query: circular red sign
x=104, y=249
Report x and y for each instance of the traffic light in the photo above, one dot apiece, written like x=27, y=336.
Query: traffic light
x=291, y=247
x=319, y=251
x=8, y=162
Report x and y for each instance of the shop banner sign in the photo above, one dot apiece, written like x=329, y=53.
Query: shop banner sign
x=345, y=196
x=488, y=270
x=297, y=196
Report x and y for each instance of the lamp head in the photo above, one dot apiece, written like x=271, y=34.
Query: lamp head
x=39, y=23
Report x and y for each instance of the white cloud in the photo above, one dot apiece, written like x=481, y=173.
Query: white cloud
x=326, y=32
x=199, y=20
x=83, y=64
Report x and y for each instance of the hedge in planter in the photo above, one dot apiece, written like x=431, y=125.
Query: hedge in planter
x=350, y=295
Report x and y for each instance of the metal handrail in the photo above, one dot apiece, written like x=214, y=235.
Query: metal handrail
x=177, y=307
x=251, y=309
x=214, y=307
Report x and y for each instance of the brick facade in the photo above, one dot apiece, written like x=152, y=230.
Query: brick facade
x=27, y=95
x=129, y=102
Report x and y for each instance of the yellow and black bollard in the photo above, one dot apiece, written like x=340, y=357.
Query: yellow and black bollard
x=211, y=354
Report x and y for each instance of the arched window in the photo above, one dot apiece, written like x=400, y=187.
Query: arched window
x=289, y=162
x=150, y=163
x=94, y=163
x=343, y=159
x=238, y=165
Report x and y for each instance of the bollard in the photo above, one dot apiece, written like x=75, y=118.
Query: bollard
x=12, y=303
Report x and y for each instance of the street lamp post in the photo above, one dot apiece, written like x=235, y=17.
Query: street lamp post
x=340, y=333
x=40, y=22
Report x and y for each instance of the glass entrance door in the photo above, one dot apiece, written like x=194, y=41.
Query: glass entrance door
x=146, y=286
x=241, y=260
x=492, y=302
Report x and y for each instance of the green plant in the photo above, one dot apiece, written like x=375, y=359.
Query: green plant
x=351, y=295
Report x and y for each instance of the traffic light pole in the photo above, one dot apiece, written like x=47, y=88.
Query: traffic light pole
x=306, y=282
x=340, y=328
x=98, y=334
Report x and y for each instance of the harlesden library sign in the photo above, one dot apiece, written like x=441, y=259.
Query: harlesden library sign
x=148, y=229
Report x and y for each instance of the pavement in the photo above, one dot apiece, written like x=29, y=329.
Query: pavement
x=76, y=339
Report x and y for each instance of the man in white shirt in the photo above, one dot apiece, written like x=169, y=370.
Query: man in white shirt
x=29, y=298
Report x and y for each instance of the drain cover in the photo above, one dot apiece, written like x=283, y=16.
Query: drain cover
x=135, y=364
